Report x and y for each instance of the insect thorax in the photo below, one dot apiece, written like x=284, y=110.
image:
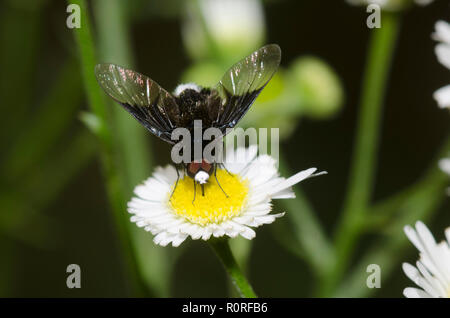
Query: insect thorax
x=197, y=105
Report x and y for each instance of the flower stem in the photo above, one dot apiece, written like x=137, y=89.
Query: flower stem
x=381, y=49
x=112, y=23
x=223, y=252
x=134, y=158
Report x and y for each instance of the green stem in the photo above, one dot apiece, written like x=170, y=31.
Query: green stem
x=381, y=50
x=241, y=249
x=131, y=142
x=114, y=47
x=223, y=252
x=114, y=183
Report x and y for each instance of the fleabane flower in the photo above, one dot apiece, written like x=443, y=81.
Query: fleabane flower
x=249, y=181
x=442, y=50
x=432, y=271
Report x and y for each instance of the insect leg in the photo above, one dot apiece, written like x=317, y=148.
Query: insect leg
x=223, y=166
x=176, y=183
x=195, y=191
x=215, y=176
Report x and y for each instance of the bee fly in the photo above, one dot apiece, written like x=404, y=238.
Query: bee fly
x=220, y=107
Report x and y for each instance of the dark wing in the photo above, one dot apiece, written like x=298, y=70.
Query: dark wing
x=243, y=82
x=142, y=97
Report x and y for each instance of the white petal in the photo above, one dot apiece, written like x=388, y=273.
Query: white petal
x=179, y=239
x=260, y=171
x=285, y=194
x=425, y=235
x=237, y=160
x=436, y=289
x=207, y=232
x=442, y=96
x=447, y=235
x=138, y=203
x=415, y=293
x=412, y=236
x=442, y=32
x=443, y=54
x=218, y=230
x=247, y=233
x=163, y=238
x=259, y=209
x=198, y=233
x=267, y=219
x=412, y=273
x=436, y=263
x=302, y=175
x=152, y=190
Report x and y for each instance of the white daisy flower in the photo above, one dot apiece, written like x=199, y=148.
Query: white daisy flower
x=432, y=273
x=250, y=183
x=442, y=50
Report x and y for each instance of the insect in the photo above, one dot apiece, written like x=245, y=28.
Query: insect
x=221, y=106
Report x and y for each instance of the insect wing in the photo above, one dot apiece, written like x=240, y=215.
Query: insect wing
x=243, y=82
x=142, y=97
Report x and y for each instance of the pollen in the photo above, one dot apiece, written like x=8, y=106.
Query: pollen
x=214, y=206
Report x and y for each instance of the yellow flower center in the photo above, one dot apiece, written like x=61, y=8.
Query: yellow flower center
x=214, y=206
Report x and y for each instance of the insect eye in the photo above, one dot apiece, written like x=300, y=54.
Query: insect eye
x=205, y=166
x=194, y=167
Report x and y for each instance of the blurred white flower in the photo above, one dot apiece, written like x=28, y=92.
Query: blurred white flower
x=442, y=96
x=423, y=2
x=444, y=165
x=381, y=3
x=432, y=273
x=442, y=50
x=389, y=4
x=234, y=26
x=250, y=181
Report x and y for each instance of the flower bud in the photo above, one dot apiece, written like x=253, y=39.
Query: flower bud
x=317, y=85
